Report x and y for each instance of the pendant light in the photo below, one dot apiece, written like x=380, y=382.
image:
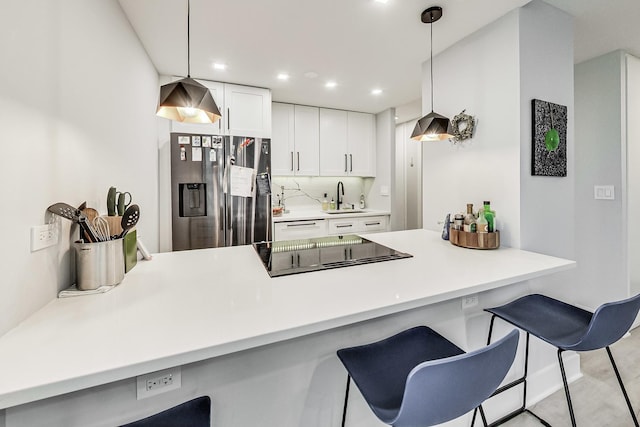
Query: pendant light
x=186, y=100
x=433, y=126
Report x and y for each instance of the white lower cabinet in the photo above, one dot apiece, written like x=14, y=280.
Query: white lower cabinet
x=366, y=224
x=304, y=229
x=293, y=230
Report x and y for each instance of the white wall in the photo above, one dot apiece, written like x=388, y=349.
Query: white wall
x=547, y=220
x=599, y=130
x=385, y=162
x=78, y=96
x=493, y=74
x=479, y=74
x=633, y=172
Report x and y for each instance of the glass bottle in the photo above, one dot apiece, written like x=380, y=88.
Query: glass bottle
x=490, y=216
x=325, y=203
x=482, y=223
x=470, y=219
x=332, y=205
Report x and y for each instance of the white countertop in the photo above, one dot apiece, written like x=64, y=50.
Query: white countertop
x=309, y=214
x=184, y=307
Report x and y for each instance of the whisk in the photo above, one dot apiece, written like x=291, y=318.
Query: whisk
x=101, y=229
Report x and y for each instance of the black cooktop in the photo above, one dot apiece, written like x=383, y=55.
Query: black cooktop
x=322, y=253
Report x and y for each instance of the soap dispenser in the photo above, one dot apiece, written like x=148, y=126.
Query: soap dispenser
x=325, y=203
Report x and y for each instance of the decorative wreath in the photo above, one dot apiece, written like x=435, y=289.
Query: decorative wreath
x=462, y=126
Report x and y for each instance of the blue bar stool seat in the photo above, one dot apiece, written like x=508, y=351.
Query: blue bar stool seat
x=419, y=378
x=567, y=327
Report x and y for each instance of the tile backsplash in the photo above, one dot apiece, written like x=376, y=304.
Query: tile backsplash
x=308, y=192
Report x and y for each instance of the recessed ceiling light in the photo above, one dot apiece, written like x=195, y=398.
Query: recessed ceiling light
x=219, y=66
x=330, y=84
x=283, y=76
x=396, y=117
x=376, y=91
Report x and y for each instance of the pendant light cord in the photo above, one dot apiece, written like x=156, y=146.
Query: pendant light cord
x=189, y=41
x=431, y=62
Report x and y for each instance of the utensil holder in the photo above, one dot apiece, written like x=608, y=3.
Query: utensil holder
x=99, y=264
x=474, y=240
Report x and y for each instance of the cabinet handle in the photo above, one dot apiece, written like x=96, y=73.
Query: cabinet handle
x=292, y=161
x=351, y=163
x=372, y=223
x=345, y=163
x=228, y=119
x=301, y=224
x=298, y=153
x=344, y=226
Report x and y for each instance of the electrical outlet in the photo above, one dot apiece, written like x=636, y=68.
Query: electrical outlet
x=158, y=382
x=469, y=301
x=43, y=236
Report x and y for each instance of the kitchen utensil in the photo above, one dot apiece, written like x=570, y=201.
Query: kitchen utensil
x=111, y=201
x=101, y=228
x=122, y=203
x=91, y=214
x=67, y=211
x=129, y=219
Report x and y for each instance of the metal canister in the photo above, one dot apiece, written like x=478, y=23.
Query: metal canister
x=458, y=222
x=99, y=264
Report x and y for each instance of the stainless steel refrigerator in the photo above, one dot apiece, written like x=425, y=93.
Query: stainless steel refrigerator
x=220, y=191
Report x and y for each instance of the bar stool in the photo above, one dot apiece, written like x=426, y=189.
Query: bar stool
x=194, y=413
x=566, y=327
x=418, y=377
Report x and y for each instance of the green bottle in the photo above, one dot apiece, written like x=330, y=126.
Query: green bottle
x=490, y=216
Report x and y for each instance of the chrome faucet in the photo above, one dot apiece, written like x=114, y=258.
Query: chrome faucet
x=338, y=198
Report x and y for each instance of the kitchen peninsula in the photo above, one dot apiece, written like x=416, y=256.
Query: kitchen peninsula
x=191, y=306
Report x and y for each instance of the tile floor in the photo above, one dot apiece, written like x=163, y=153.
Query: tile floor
x=597, y=399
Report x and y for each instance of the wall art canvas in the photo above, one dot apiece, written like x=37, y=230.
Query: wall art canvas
x=549, y=140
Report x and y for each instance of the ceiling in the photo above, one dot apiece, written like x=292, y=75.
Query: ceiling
x=359, y=44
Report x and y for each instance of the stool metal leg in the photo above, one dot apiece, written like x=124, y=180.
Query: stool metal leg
x=566, y=388
x=346, y=400
x=624, y=391
x=521, y=380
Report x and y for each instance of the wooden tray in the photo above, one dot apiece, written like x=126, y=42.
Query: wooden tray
x=474, y=240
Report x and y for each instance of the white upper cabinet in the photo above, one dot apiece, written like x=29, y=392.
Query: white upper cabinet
x=361, y=138
x=306, y=140
x=217, y=128
x=245, y=110
x=282, y=139
x=334, y=158
x=294, y=140
x=312, y=141
x=248, y=111
x=347, y=143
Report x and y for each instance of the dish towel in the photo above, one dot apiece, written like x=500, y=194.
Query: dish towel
x=72, y=291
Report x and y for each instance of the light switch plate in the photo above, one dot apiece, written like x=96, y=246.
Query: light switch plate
x=604, y=192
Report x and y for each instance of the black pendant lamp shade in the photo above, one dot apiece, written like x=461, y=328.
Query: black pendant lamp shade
x=186, y=100
x=433, y=126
